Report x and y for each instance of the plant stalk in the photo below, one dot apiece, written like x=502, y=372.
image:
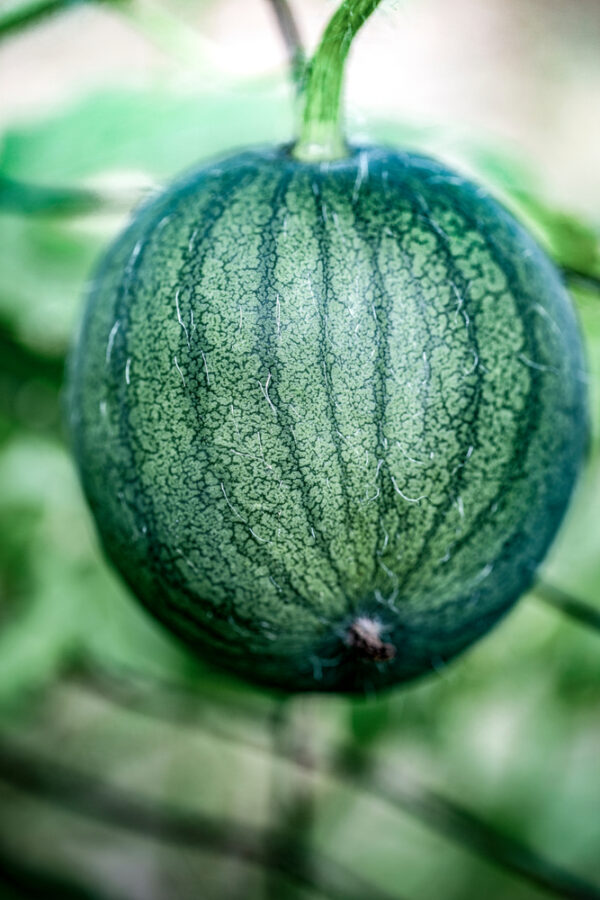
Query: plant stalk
x=288, y=28
x=33, y=11
x=396, y=788
x=321, y=128
x=56, y=783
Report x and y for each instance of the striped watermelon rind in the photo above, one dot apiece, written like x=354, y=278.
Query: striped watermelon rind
x=328, y=416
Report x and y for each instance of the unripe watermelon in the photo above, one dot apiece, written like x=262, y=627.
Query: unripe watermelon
x=328, y=416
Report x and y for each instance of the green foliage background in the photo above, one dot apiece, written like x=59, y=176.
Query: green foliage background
x=88, y=683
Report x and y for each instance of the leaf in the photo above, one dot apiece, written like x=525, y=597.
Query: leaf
x=156, y=132
x=573, y=242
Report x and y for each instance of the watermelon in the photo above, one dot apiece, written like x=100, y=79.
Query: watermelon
x=328, y=416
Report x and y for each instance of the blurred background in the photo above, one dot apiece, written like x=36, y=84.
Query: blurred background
x=129, y=770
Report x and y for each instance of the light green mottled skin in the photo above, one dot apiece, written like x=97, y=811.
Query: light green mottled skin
x=305, y=393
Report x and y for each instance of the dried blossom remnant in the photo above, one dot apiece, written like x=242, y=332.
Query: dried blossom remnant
x=364, y=637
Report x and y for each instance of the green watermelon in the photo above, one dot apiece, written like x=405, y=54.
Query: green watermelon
x=328, y=416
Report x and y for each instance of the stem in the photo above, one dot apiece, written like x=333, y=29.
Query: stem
x=447, y=817
x=321, y=133
x=292, y=794
x=291, y=38
x=399, y=790
x=275, y=888
x=85, y=795
x=578, y=610
x=34, y=11
x=24, y=199
x=582, y=279
x=27, y=879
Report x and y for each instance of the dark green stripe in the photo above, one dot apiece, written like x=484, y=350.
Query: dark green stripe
x=323, y=297
x=455, y=277
x=265, y=349
x=526, y=424
x=370, y=234
x=160, y=558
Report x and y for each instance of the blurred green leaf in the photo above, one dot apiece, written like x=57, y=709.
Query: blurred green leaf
x=24, y=13
x=27, y=199
x=43, y=269
x=156, y=132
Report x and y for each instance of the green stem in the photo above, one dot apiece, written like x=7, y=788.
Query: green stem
x=321, y=132
x=579, y=610
x=292, y=793
x=581, y=278
x=22, y=877
x=55, y=783
x=33, y=11
x=397, y=789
